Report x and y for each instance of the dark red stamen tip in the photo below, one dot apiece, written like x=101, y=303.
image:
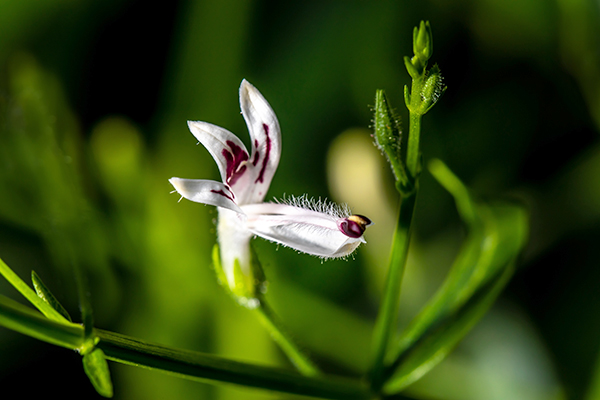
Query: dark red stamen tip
x=354, y=226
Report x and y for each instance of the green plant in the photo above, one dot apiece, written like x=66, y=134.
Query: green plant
x=497, y=232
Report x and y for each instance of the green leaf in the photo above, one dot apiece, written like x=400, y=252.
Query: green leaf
x=497, y=233
x=45, y=294
x=96, y=368
x=29, y=294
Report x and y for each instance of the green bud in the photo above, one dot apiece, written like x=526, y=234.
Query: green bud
x=432, y=89
x=414, y=71
x=423, y=42
x=96, y=368
x=407, y=97
x=422, y=49
x=388, y=135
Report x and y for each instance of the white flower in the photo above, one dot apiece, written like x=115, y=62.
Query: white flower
x=307, y=226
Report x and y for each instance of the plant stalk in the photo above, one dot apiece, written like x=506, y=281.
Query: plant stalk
x=385, y=325
x=205, y=367
x=270, y=321
x=413, y=153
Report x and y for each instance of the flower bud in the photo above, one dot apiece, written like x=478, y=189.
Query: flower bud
x=423, y=42
x=388, y=135
x=415, y=71
x=432, y=89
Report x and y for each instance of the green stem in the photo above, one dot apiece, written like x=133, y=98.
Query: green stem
x=270, y=321
x=87, y=316
x=385, y=325
x=203, y=367
x=22, y=319
x=413, y=153
x=186, y=364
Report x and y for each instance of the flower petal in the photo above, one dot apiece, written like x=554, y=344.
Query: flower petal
x=234, y=244
x=227, y=149
x=304, y=230
x=207, y=192
x=265, y=135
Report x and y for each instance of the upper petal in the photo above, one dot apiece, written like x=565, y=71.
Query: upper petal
x=207, y=192
x=304, y=230
x=227, y=149
x=265, y=135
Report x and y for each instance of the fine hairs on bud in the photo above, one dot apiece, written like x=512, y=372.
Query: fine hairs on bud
x=388, y=134
x=433, y=88
x=387, y=124
x=318, y=205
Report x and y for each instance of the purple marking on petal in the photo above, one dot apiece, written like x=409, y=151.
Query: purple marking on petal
x=261, y=174
x=257, y=154
x=350, y=228
x=222, y=193
x=235, y=158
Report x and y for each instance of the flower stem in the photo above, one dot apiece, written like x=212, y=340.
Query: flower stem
x=182, y=363
x=25, y=320
x=413, y=153
x=270, y=321
x=388, y=311
x=203, y=367
x=385, y=325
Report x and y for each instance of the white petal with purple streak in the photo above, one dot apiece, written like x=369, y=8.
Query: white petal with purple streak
x=229, y=152
x=265, y=137
x=305, y=230
x=206, y=192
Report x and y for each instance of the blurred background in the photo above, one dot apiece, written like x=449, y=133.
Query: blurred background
x=94, y=99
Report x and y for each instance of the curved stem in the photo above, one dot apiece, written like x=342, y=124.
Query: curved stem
x=270, y=321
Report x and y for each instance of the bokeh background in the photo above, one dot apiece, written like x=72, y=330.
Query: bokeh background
x=94, y=99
